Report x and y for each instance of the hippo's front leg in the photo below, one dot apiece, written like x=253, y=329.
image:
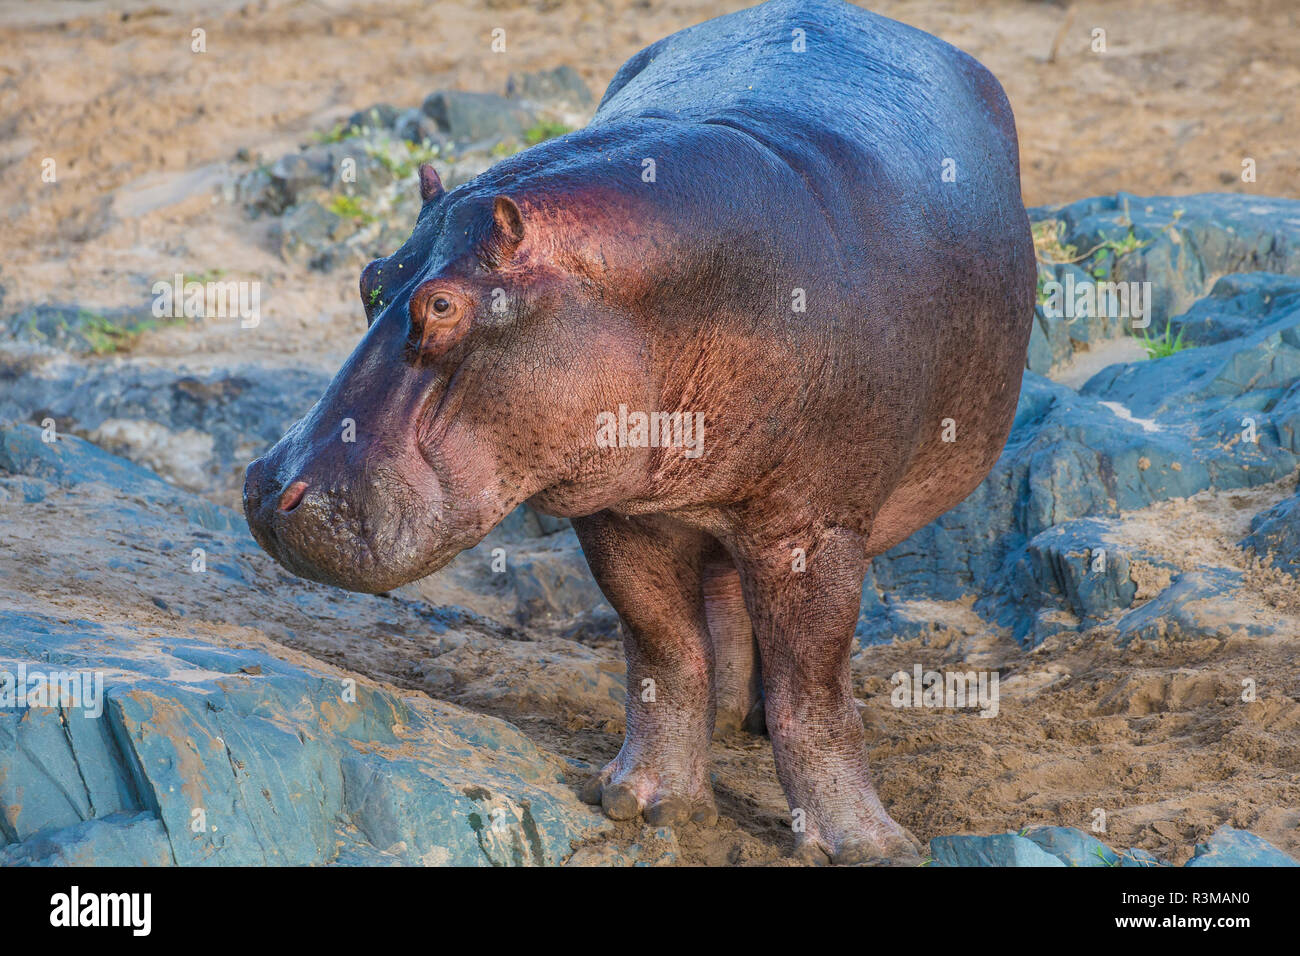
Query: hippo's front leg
x=804, y=614
x=650, y=570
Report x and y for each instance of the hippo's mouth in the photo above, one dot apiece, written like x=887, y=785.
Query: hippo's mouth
x=384, y=533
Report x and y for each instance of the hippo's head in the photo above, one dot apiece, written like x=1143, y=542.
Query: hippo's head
x=490, y=352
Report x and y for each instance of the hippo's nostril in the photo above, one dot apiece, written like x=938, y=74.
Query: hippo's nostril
x=292, y=495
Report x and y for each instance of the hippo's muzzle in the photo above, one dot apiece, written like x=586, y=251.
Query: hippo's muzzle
x=372, y=533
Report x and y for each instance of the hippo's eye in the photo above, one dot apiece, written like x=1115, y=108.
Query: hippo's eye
x=441, y=305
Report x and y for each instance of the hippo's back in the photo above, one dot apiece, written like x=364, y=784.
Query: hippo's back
x=827, y=74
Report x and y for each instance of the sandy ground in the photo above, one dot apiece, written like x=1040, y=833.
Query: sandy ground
x=141, y=130
x=1157, y=736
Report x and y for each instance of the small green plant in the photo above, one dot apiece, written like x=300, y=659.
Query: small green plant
x=337, y=134
x=1163, y=346
x=348, y=207
x=543, y=130
x=104, y=337
x=375, y=293
x=403, y=158
x=1049, y=246
x=1041, y=295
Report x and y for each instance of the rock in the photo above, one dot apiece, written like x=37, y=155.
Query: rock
x=1231, y=847
x=1285, y=416
x=416, y=126
x=464, y=169
x=316, y=172
x=1072, y=847
x=1001, y=849
x=377, y=116
x=80, y=330
x=476, y=117
x=1067, y=846
x=308, y=229
x=68, y=461
x=1075, y=566
x=1196, y=605
x=116, y=839
x=558, y=87
x=296, y=175
x=1275, y=535
x=1188, y=240
x=552, y=583
x=1219, y=416
x=245, y=760
x=199, y=430
x=1057, y=334
x=253, y=190
x=1236, y=306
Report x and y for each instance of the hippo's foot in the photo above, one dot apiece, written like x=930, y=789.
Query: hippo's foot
x=662, y=792
x=737, y=715
x=873, y=837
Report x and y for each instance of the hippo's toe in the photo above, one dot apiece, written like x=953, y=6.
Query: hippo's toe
x=625, y=795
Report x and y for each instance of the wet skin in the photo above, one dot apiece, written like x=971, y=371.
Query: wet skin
x=850, y=321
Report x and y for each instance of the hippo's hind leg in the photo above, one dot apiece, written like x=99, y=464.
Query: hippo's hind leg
x=650, y=569
x=804, y=615
x=736, y=679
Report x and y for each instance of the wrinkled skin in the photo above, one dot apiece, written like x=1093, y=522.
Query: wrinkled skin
x=563, y=283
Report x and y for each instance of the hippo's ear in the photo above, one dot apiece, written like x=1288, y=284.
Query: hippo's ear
x=506, y=232
x=430, y=184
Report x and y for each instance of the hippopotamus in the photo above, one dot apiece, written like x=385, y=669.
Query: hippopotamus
x=760, y=321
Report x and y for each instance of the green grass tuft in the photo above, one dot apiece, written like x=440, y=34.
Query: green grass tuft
x=1163, y=346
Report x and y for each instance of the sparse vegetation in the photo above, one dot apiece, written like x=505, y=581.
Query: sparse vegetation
x=1049, y=246
x=337, y=134
x=349, y=207
x=403, y=158
x=1162, y=346
x=104, y=337
x=543, y=130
